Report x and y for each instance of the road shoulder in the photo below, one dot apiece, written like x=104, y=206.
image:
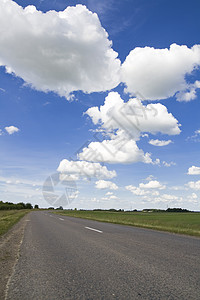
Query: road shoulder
x=9, y=252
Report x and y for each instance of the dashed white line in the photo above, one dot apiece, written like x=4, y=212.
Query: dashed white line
x=99, y=231
x=61, y=219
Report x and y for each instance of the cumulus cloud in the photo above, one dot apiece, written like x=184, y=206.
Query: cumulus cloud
x=105, y=184
x=11, y=129
x=169, y=197
x=112, y=197
x=85, y=169
x=142, y=191
x=192, y=198
x=62, y=51
x=123, y=124
x=190, y=92
x=67, y=177
x=160, y=73
x=153, y=184
x=133, y=117
x=136, y=190
x=194, y=170
x=116, y=150
x=160, y=143
x=194, y=185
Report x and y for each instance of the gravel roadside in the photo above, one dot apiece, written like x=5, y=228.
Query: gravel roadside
x=10, y=244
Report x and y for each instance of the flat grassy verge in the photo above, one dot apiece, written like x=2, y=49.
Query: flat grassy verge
x=9, y=217
x=182, y=223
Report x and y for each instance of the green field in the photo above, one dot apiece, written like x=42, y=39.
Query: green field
x=9, y=217
x=182, y=223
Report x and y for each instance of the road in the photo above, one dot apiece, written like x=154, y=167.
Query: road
x=68, y=258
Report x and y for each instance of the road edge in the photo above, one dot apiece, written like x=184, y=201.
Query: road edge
x=10, y=244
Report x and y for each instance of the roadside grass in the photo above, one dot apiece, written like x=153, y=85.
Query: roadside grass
x=181, y=223
x=9, y=217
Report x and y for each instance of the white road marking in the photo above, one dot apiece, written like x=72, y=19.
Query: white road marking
x=94, y=229
x=61, y=219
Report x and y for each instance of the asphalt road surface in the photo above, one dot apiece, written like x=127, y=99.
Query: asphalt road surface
x=68, y=258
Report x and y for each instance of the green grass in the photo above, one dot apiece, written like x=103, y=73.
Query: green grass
x=182, y=223
x=9, y=217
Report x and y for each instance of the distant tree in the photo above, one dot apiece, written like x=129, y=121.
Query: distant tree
x=22, y=205
x=112, y=210
x=36, y=206
x=29, y=206
x=60, y=208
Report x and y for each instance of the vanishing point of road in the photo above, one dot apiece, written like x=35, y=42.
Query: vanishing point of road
x=69, y=258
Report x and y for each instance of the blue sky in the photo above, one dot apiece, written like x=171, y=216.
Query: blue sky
x=57, y=70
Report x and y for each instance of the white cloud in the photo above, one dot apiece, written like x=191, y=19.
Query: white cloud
x=73, y=195
x=117, y=150
x=194, y=170
x=85, y=169
x=160, y=73
x=11, y=129
x=136, y=190
x=21, y=188
x=8, y=182
x=178, y=188
x=195, y=137
x=67, y=177
x=193, y=196
x=166, y=164
x=133, y=117
x=105, y=184
x=160, y=143
x=167, y=198
x=112, y=197
x=142, y=191
x=155, y=193
x=150, y=177
x=94, y=199
x=194, y=185
x=190, y=93
x=109, y=193
x=170, y=197
x=123, y=123
x=57, y=51
x=153, y=184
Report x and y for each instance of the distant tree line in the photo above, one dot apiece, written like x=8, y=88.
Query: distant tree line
x=20, y=205
x=177, y=210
